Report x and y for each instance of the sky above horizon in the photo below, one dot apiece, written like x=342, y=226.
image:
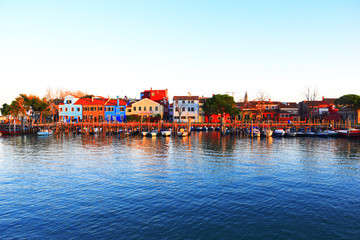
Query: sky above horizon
x=121, y=48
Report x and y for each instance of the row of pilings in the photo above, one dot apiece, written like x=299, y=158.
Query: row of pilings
x=137, y=127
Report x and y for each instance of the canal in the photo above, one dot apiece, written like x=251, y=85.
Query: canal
x=199, y=187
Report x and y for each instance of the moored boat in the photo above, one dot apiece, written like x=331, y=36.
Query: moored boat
x=279, y=132
x=350, y=133
x=289, y=133
x=182, y=132
x=166, y=133
x=46, y=132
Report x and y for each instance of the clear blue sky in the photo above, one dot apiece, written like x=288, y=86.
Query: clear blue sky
x=202, y=47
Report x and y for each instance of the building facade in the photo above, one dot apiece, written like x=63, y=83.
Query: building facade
x=146, y=108
x=70, y=110
x=185, y=108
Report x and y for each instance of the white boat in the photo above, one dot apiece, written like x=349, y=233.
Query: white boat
x=289, y=133
x=182, y=132
x=166, y=133
x=279, y=132
x=255, y=132
x=144, y=133
x=44, y=132
x=152, y=134
x=321, y=134
x=331, y=133
x=309, y=133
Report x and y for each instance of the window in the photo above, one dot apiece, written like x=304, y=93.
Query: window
x=65, y=109
x=247, y=117
x=183, y=109
x=129, y=110
x=189, y=101
x=100, y=117
x=192, y=101
x=189, y=109
x=227, y=118
x=86, y=109
x=183, y=117
x=272, y=107
x=134, y=108
x=61, y=109
x=139, y=108
x=176, y=117
x=156, y=108
x=153, y=94
x=183, y=101
x=122, y=109
x=68, y=101
x=72, y=109
x=85, y=117
x=90, y=117
x=145, y=108
x=150, y=108
x=78, y=109
x=192, y=109
x=100, y=109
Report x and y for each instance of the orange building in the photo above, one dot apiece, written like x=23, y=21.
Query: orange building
x=93, y=109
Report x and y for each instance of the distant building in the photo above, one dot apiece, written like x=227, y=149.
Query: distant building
x=185, y=108
x=324, y=109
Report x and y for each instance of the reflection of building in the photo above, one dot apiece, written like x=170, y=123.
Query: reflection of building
x=146, y=108
x=186, y=107
x=70, y=110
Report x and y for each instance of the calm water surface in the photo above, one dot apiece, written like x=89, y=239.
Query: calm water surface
x=199, y=187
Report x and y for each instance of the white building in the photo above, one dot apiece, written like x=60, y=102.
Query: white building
x=186, y=107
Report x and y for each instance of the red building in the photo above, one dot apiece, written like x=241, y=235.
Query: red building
x=216, y=118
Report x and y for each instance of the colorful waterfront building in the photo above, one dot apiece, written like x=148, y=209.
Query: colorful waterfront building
x=185, y=108
x=115, y=110
x=146, y=109
x=159, y=96
x=93, y=109
x=70, y=110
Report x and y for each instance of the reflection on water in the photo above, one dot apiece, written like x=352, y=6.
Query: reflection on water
x=199, y=187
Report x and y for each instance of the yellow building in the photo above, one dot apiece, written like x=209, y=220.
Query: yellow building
x=145, y=108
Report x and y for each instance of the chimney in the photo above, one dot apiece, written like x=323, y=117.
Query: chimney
x=323, y=98
x=117, y=102
x=92, y=98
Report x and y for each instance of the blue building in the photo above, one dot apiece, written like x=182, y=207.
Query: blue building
x=115, y=110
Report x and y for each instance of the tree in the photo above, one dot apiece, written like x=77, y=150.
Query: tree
x=5, y=109
x=36, y=105
x=351, y=101
x=310, y=96
x=220, y=104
